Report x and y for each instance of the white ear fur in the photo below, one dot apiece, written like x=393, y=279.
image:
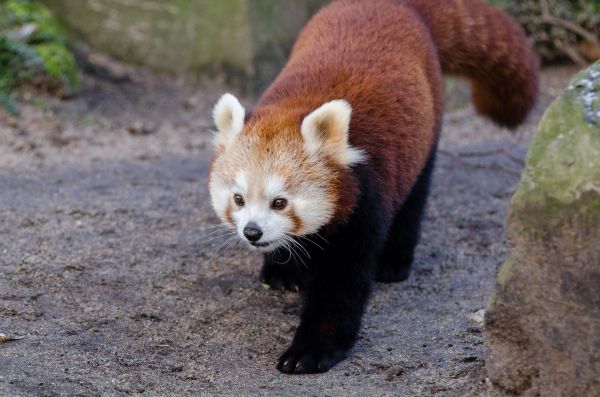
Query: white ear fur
x=326, y=129
x=228, y=115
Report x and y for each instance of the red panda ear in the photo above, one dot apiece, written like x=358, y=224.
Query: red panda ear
x=326, y=131
x=229, y=119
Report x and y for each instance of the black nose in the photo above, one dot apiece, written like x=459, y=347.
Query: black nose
x=252, y=232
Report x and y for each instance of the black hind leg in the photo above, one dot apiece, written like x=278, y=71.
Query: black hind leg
x=396, y=258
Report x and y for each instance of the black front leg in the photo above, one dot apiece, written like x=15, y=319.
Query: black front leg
x=336, y=295
x=281, y=271
x=334, y=303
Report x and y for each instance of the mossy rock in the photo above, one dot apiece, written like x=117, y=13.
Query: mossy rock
x=543, y=326
x=563, y=162
x=245, y=41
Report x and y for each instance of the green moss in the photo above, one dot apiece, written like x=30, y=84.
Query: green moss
x=20, y=12
x=17, y=61
x=254, y=333
x=491, y=304
x=563, y=162
x=58, y=63
x=506, y=273
x=33, y=47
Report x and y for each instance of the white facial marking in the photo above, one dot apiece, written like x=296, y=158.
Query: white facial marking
x=257, y=209
x=241, y=181
x=220, y=196
x=315, y=208
x=273, y=187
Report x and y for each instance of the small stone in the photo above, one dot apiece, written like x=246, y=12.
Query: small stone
x=191, y=103
x=477, y=317
x=59, y=141
x=140, y=128
x=393, y=372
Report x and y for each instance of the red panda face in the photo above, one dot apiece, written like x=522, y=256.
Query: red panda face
x=273, y=181
x=267, y=207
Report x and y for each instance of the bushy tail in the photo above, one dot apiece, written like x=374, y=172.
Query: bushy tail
x=480, y=42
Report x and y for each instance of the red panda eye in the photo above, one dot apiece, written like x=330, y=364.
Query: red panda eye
x=279, y=204
x=239, y=200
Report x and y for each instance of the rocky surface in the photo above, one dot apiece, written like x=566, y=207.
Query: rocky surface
x=247, y=39
x=543, y=324
x=109, y=270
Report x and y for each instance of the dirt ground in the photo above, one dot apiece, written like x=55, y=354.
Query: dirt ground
x=109, y=270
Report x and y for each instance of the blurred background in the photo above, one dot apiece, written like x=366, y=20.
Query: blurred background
x=243, y=42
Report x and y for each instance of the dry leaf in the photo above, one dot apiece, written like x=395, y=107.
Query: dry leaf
x=4, y=338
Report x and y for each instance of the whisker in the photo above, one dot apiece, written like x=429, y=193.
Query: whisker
x=321, y=237
x=302, y=261
x=301, y=247
x=217, y=238
x=312, y=242
x=292, y=250
x=225, y=244
x=307, y=239
x=214, y=226
x=218, y=231
x=289, y=251
x=216, y=252
x=233, y=244
x=239, y=244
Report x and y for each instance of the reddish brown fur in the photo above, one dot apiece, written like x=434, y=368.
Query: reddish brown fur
x=476, y=41
x=385, y=58
x=297, y=221
x=382, y=57
x=228, y=213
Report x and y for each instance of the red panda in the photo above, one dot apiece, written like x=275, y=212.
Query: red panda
x=329, y=175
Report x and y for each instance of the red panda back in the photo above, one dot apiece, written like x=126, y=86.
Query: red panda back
x=379, y=57
x=385, y=57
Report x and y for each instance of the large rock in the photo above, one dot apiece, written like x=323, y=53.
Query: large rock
x=247, y=39
x=543, y=323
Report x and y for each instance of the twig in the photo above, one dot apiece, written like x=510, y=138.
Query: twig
x=573, y=27
x=549, y=18
x=571, y=53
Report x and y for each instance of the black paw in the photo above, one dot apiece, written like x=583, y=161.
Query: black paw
x=309, y=359
x=393, y=273
x=281, y=277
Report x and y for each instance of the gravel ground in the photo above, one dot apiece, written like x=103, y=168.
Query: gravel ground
x=109, y=271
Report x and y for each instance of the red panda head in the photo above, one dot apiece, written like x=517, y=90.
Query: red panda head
x=277, y=175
